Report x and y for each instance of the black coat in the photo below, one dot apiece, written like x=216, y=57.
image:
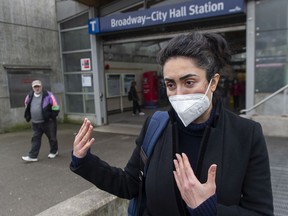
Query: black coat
x=133, y=92
x=235, y=144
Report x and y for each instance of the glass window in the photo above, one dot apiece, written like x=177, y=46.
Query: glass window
x=79, y=88
x=271, y=43
x=89, y=103
x=271, y=61
x=71, y=62
x=19, y=83
x=143, y=52
x=74, y=103
x=271, y=15
x=81, y=20
x=113, y=85
x=75, y=40
x=270, y=77
x=73, y=83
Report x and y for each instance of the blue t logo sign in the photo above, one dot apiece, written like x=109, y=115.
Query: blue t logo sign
x=93, y=26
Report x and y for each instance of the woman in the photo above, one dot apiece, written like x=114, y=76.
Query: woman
x=208, y=160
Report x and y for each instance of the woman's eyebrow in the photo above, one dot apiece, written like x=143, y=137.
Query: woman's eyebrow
x=168, y=80
x=181, y=78
x=187, y=76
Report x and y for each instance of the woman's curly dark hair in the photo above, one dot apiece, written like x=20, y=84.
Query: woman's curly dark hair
x=209, y=51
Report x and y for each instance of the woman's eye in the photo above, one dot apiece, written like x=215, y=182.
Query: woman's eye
x=170, y=85
x=189, y=83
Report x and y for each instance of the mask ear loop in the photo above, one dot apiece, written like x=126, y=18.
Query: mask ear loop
x=207, y=89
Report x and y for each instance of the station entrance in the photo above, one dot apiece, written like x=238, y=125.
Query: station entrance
x=128, y=59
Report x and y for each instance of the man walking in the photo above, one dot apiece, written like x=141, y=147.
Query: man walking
x=42, y=109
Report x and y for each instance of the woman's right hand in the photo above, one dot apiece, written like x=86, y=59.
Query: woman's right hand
x=83, y=141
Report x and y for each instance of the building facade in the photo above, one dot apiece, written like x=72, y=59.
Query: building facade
x=88, y=51
x=29, y=44
x=125, y=37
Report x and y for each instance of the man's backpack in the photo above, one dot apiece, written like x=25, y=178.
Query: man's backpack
x=155, y=128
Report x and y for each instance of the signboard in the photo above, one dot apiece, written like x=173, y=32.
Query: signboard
x=113, y=85
x=85, y=64
x=86, y=80
x=118, y=84
x=94, y=26
x=189, y=10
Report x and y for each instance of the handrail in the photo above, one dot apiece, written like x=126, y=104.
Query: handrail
x=265, y=99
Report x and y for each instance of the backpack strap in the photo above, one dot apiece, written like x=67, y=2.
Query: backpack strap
x=156, y=125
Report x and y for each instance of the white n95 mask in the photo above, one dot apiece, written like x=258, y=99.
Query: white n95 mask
x=190, y=106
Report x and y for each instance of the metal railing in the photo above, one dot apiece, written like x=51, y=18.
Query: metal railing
x=285, y=91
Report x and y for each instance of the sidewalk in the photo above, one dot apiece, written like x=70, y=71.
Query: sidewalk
x=30, y=188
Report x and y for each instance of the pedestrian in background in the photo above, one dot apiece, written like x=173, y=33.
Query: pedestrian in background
x=237, y=90
x=207, y=161
x=135, y=99
x=41, y=107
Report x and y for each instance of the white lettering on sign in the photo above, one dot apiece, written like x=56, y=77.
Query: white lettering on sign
x=175, y=13
x=128, y=21
x=206, y=8
x=155, y=16
x=159, y=15
x=93, y=25
x=163, y=16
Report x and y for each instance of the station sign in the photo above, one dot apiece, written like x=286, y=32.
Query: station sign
x=185, y=11
x=94, y=26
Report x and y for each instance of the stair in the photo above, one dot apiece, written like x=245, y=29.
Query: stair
x=276, y=126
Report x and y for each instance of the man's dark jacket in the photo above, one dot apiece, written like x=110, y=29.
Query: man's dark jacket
x=49, y=104
x=235, y=144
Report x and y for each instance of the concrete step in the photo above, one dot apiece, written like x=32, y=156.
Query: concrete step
x=276, y=126
x=88, y=203
x=117, y=128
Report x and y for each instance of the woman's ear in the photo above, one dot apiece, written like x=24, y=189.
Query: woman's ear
x=215, y=81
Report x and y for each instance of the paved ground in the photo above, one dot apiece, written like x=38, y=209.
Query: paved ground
x=30, y=188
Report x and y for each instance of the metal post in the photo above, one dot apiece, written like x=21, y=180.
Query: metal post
x=250, y=59
x=98, y=77
x=285, y=113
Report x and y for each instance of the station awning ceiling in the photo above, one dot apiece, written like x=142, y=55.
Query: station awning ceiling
x=96, y=3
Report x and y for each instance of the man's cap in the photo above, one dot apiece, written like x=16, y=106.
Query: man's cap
x=36, y=83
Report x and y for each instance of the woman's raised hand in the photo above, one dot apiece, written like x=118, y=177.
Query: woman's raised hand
x=83, y=141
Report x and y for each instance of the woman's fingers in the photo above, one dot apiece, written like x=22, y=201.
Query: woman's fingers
x=83, y=130
x=179, y=167
x=177, y=173
x=183, y=173
x=192, y=191
x=188, y=169
x=84, y=149
x=184, y=168
x=83, y=141
x=212, y=175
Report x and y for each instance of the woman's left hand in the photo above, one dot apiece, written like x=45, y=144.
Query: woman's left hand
x=192, y=191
